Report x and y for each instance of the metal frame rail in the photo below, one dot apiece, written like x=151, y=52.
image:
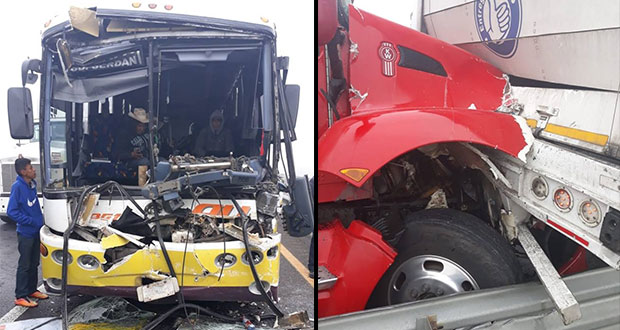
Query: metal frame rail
x=522, y=306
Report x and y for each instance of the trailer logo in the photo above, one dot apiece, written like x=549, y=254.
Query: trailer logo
x=388, y=56
x=498, y=23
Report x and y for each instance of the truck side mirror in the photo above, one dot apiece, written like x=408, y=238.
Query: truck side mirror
x=299, y=216
x=21, y=121
x=292, y=99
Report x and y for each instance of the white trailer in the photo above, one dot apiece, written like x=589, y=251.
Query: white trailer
x=563, y=63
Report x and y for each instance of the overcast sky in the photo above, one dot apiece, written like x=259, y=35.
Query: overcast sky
x=398, y=11
x=22, y=22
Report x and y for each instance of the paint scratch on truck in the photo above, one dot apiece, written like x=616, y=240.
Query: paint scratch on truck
x=528, y=137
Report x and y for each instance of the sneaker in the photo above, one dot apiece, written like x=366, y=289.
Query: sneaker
x=39, y=295
x=25, y=302
x=311, y=275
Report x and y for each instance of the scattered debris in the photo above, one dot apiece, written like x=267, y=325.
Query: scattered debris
x=254, y=240
x=297, y=320
x=158, y=290
x=115, y=311
x=438, y=200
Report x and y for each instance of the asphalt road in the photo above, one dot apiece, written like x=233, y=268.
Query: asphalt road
x=295, y=291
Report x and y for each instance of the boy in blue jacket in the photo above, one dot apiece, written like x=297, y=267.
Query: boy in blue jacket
x=24, y=208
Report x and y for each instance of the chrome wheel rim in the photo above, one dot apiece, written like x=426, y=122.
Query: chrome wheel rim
x=428, y=276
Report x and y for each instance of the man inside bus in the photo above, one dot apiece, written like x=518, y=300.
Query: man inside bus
x=215, y=139
x=24, y=208
x=133, y=148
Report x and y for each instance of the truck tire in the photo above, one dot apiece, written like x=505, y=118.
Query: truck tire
x=442, y=252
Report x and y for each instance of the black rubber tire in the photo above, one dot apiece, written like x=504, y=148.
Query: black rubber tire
x=460, y=237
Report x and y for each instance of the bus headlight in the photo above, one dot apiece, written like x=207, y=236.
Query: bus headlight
x=88, y=262
x=257, y=256
x=57, y=257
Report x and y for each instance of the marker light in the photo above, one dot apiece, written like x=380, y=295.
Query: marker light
x=168, y=7
x=540, y=188
x=136, y=4
x=590, y=213
x=563, y=200
x=355, y=174
x=152, y=5
x=43, y=249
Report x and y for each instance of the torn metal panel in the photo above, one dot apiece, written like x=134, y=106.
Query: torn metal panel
x=264, y=243
x=355, y=94
x=132, y=238
x=86, y=235
x=84, y=20
x=354, y=50
x=113, y=241
x=86, y=219
x=527, y=136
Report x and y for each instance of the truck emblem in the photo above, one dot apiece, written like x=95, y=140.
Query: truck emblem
x=498, y=23
x=388, y=56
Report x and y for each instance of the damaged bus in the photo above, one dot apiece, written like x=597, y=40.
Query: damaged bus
x=183, y=220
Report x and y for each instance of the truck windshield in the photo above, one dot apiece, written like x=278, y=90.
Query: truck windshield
x=208, y=103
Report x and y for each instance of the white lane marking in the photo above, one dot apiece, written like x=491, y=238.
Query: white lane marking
x=17, y=311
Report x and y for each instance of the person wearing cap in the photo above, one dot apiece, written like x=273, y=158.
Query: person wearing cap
x=134, y=149
x=214, y=140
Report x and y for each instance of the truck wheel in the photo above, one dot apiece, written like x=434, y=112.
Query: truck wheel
x=443, y=252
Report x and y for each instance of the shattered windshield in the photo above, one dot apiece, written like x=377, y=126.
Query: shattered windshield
x=208, y=105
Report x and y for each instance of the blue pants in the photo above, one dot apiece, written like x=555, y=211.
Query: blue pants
x=28, y=266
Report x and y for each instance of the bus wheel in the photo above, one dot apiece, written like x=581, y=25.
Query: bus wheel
x=443, y=252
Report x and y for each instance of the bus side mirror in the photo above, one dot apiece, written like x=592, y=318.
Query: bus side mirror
x=21, y=121
x=292, y=99
x=29, y=67
x=299, y=216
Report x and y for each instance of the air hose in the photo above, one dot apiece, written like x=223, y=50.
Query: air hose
x=248, y=252
x=74, y=218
